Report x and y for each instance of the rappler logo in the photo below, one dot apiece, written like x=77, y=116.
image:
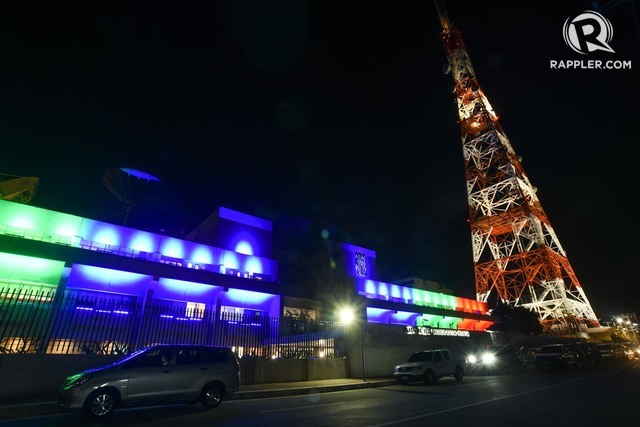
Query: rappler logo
x=588, y=32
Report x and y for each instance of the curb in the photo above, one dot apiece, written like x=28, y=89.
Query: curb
x=257, y=394
x=31, y=409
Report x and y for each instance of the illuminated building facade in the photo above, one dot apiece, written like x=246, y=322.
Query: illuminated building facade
x=408, y=304
x=224, y=267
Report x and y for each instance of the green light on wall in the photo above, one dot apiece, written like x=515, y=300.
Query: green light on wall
x=18, y=268
x=37, y=220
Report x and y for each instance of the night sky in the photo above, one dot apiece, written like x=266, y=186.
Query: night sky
x=330, y=115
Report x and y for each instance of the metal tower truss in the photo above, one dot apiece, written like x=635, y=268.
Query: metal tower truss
x=516, y=253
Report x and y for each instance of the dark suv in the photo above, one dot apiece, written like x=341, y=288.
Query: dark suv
x=590, y=351
x=154, y=375
x=611, y=352
x=556, y=356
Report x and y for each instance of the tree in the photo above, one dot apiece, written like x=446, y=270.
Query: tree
x=517, y=320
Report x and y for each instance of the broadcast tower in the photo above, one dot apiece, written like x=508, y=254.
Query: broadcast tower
x=517, y=256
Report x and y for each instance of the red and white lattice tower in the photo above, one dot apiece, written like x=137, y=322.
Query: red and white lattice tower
x=516, y=254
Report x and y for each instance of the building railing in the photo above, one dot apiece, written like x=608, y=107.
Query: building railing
x=49, y=323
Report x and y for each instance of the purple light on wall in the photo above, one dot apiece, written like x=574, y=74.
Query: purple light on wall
x=202, y=254
x=230, y=260
x=355, y=257
x=383, y=290
x=188, y=291
x=255, y=300
x=244, y=233
x=396, y=291
x=107, y=234
x=404, y=318
x=242, y=243
x=254, y=265
x=107, y=280
x=380, y=315
x=142, y=241
x=172, y=247
x=246, y=219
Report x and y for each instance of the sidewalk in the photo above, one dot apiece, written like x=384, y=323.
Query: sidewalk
x=42, y=405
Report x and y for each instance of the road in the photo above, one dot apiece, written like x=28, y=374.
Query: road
x=587, y=396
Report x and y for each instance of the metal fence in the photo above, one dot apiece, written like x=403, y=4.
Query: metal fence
x=48, y=323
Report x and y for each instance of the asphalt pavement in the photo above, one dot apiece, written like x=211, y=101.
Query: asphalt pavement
x=28, y=406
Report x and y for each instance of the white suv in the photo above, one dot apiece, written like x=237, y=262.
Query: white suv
x=154, y=375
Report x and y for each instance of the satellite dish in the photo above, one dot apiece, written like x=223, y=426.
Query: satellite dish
x=130, y=186
x=19, y=189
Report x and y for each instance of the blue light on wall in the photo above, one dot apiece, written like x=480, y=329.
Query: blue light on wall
x=244, y=218
x=241, y=243
x=404, y=318
x=172, y=247
x=255, y=300
x=202, y=254
x=143, y=241
x=107, y=234
x=107, y=280
x=378, y=315
x=359, y=262
x=254, y=265
x=392, y=317
x=181, y=290
x=396, y=292
x=230, y=260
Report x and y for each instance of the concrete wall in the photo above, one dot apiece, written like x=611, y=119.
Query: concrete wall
x=384, y=347
x=261, y=371
x=42, y=374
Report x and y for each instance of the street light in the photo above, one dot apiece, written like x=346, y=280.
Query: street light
x=347, y=316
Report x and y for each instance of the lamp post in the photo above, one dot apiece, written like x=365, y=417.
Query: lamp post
x=347, y=316
x=364, y=375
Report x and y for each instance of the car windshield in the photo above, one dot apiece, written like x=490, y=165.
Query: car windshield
x=128, y=357
x=423, y=356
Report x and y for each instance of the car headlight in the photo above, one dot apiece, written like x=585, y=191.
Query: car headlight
x=472, y=359
x=75, y=381
x=488, y=358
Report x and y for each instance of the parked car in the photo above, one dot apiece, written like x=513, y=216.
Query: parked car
x=612, y=352
x=631, y=350
x=556, y=356
x=159, y=374
x=527, y=356
x=593, y=356
x=492, y=359
x=582, y=358
x=429, y=366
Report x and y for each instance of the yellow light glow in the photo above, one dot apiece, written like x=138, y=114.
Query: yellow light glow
x=346, y=315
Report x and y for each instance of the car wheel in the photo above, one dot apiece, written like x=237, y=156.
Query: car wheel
x=211, y=396
x=429, y=377
x=459, y=374
x=100, y=404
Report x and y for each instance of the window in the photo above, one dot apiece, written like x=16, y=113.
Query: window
x=216, y=355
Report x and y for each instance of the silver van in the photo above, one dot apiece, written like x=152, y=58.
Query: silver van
x=154, y=375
